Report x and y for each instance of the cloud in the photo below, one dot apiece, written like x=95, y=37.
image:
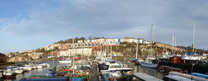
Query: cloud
x=115, y=18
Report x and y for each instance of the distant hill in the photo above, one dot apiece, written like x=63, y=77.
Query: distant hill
x=189, y=49
x=76, y=39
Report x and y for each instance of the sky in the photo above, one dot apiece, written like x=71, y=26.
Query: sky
x=31, y=24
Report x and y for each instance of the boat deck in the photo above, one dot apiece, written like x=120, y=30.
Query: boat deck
x=146, y=77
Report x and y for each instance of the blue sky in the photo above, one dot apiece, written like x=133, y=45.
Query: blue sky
x=30, y=24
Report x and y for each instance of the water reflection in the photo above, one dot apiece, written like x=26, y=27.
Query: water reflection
x=43, y=71
x=150, y=71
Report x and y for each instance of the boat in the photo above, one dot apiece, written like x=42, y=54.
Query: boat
x=149, y=60
x=177, y=76
x=164, y=68
x=143, y=77
x=25, y=68
x=200, y=75
x=64, y=61
x=192, y=56
x=15, y=69
x=148, y=64
x=39, y=66
x=114, y=69
x=136, y=61
x=18, y=71
x=34, y=67
x=8, y=74
x=76, y=71
x=47, y=65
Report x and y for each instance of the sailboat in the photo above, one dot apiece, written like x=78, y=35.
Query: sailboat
x=148, y=61
x=136, y=60
x=193, y=58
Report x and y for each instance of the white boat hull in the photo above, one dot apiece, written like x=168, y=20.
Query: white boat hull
x=27, y=68
x=64, y=61
x=150, y=65
x=39, y=67
x=18, y=71
x=34, y=67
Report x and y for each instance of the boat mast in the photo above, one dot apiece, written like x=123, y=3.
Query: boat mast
x=28, y=56
x=53, y=55
x=107, y=49
x=73, y=52
x=166, y=48
x=175, y=46
x=106, y=43
x=193, y=37
x=82, y=56
x=172, y=43
x=111, y=48
x=35, y=56
x=151, y=40
x=137, y=48
x=15, y=59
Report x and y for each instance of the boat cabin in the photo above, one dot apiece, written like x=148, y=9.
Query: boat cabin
x=108, y=66
x=112, y=67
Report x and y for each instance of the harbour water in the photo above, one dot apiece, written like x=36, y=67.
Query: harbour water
x=45, y=70
x=137, y=68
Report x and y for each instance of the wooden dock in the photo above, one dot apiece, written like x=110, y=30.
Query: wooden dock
x=94, y=73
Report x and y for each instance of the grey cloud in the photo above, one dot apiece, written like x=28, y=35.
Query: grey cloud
x=118, y=19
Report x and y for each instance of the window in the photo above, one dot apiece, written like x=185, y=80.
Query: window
x=115, y=66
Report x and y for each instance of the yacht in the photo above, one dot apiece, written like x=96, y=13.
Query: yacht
x=15, y=69
x=149, y=60
x=25, y=68
x=149, y=63
x=113, y=68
